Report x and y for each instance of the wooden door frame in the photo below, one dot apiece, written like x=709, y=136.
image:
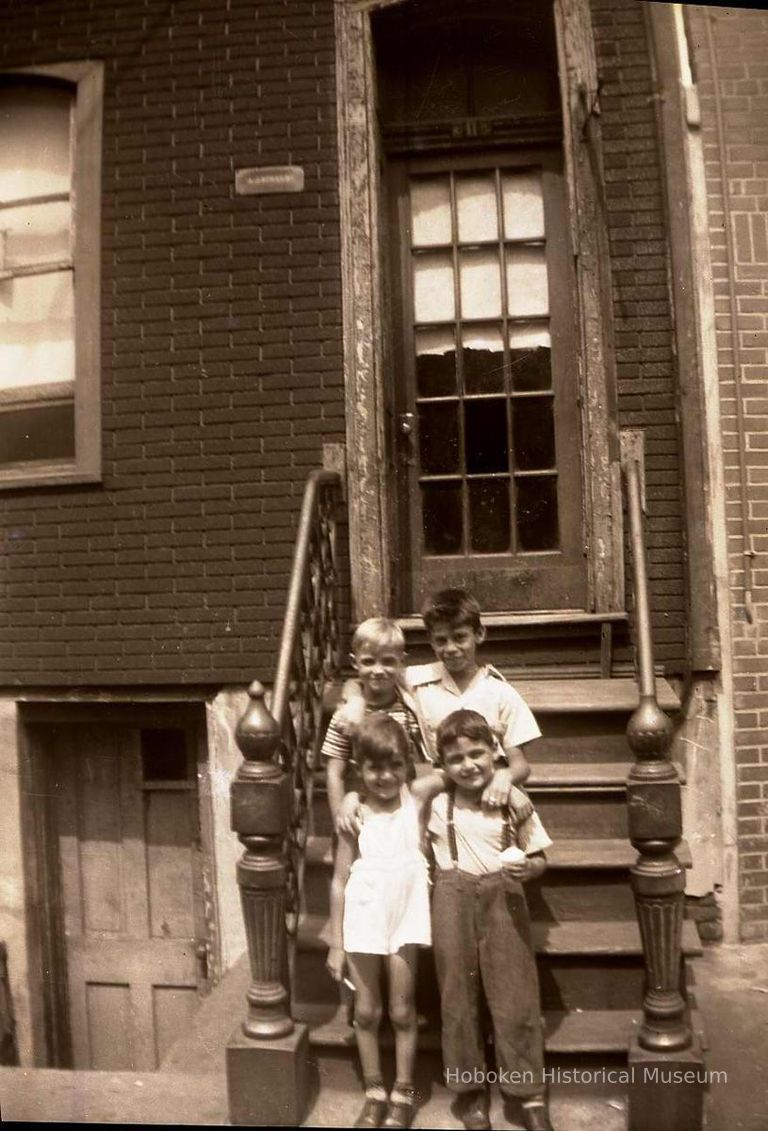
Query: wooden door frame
x=52, y=1044
x=370, y=490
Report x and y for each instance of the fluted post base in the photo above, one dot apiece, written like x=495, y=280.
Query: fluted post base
x=666, y=1093
x=268, y=1080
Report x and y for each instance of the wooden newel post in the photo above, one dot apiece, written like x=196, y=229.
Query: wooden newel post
x=260, y=799
x=658, y=878
x=266, y=1057
x=665, y=1045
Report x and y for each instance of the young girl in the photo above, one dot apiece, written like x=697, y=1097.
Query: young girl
x=380, y=912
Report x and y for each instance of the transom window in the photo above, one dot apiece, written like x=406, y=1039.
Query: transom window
x=482, y=359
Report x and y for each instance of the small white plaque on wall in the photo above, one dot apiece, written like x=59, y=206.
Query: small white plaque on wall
x=269, y=178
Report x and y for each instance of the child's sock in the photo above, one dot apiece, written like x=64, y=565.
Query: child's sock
x=374, y=1088
x=402, y=1093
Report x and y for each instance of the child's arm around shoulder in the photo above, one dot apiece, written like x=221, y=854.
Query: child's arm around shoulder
x=427, y=786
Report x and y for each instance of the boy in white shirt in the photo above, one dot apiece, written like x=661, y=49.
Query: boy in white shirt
x=481, y=930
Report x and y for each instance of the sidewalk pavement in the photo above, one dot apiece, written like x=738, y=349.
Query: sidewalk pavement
x=731, y=990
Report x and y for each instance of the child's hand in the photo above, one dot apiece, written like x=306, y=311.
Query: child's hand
x=350, y=715
x=520, y=804
x=350, y=817
x=528, y=869
x=335, y=963
x=495, y=794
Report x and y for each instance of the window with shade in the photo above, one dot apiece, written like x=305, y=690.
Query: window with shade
x=49, y=292
x=482, y=338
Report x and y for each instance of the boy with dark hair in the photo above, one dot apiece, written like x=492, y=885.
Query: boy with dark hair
x=481, y=930
x=458, y=680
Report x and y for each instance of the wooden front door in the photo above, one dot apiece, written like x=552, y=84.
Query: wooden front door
x=123, y=847
x=487, y=422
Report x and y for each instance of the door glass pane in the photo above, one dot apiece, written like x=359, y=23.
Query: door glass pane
x=527, y=290
x=441, y=511
x=439, y=438
x=435, y=363
x=523, y=205
x=480, y=284
x=36, y=233
x=37, y=330
x=530, y=358
x=433, y=296
x=476, y=208
x=537, y=513
x=533, y=429
x=430, y=212
x=489, y=516
x=482, y=355
x=487, y=448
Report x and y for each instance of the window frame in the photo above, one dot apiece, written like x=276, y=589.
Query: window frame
x=86, y=140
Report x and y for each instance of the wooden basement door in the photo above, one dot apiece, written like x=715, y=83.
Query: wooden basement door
x=125, y=838
x=488, y=423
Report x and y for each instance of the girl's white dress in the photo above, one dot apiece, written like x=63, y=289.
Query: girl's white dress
x=386, y=900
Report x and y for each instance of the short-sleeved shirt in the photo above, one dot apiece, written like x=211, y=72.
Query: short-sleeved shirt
x=437, y=696
x=480, y=836
x=340, y=744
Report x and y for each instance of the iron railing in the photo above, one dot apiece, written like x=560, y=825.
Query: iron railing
x=272, y=791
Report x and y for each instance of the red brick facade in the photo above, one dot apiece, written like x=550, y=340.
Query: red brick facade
x=730, y=49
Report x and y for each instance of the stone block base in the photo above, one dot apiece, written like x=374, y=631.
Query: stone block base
x=268, y=1081
x=666, y=1092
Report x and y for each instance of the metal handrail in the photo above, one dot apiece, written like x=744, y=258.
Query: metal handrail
x=299, y=570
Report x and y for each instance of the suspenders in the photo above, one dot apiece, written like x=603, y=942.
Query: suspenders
x=506, y=834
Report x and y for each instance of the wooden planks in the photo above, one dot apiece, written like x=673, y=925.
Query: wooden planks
x=606, y=938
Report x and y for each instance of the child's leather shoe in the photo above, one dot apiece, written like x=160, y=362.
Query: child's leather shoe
x=473, y=1110
x=536, y=1116
x=372, y=1114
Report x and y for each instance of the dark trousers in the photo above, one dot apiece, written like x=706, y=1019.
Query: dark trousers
x=483, y=955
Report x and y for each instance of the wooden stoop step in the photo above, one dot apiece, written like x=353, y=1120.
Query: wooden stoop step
x=584, y=926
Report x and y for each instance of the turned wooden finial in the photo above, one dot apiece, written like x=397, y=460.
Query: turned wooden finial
x=257, y=733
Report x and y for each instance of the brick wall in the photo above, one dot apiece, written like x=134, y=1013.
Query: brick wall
x=731, y=69
x=221, y=365
x=645, y=364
